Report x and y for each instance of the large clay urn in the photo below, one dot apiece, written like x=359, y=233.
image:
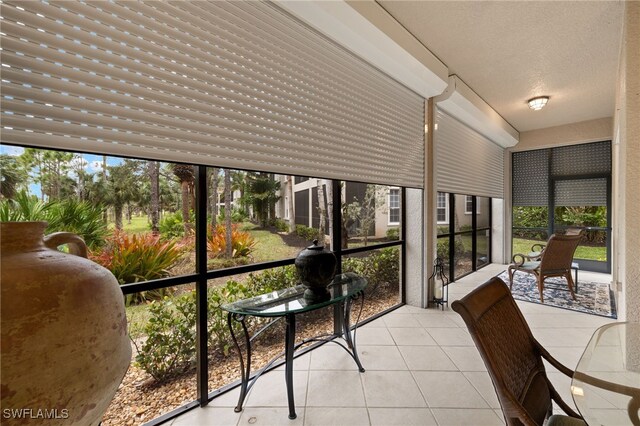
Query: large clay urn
x=65, y=347
x=316, y=267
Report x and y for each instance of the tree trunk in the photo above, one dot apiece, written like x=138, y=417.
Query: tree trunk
x=292, y=213
x=272, y=203
x=322, y=211
x=118, y=213
x=186, y=195
x=105, y=215
x=213, y=197
x=154, y=176
x=330, y=207
x=227, y=214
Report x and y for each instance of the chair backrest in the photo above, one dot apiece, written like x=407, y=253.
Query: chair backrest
x=559, y=251
x=574, y=231
x=508, y=349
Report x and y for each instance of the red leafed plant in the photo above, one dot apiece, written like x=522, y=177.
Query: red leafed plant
x=242, y=242
x=138, y=257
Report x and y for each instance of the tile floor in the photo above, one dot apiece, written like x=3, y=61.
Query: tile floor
x=422, y=369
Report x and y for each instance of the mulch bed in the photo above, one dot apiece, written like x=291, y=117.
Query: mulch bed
x=140, y=399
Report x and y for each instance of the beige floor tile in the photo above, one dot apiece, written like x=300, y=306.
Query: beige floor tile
x=300, y=363
x=323, y=416
x=401, y=417
x=464, y=417
x=573, y=337
x=451, y=336
x=381, y=358
x=482, y=382
x=373, y=336
x=427, y=358
x=267, y=416
x=411, y=337
x=271, y=391
x=335, y=389
x=207, y=416
x=331, y=357
x=448, y=389
x=401, y=320
x=466, y=358
x=391, y=389
x=436, y=321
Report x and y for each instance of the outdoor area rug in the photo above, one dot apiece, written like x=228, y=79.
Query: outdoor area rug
x=591, y=298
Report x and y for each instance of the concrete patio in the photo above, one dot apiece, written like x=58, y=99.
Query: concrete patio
x=422, y=369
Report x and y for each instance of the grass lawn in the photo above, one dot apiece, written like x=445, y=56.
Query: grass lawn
x=521, y=245
x=269, y=246
x=137, y=316
x=138, y=225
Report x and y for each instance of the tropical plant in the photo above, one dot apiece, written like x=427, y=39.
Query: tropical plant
x=170, y=346
x=172, y=225
x=12, y=176
x=22, y=208
x=139, y=257
x=306, y=232
x=69, y=215
x=263, y=194
x=123, y=187
x=79, y=217
x=186, y=176
x=242, y=243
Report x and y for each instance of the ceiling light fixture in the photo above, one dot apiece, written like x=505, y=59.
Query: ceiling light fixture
x=538, y=103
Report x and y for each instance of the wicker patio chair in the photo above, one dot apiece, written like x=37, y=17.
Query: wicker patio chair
x=556, y=260
x=513, y=357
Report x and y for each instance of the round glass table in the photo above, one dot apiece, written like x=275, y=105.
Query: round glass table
x=606, y=383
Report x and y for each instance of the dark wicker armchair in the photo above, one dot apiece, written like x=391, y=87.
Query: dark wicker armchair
x=556, y=260
x=512, y=356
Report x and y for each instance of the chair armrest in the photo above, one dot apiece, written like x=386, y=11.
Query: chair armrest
x=540, y=247
x=554, y=362
x=563, y=369
x=523, y=258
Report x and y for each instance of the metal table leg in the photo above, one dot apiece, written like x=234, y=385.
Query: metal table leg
x=245, y=369
x=351, y=342
x=289, y=348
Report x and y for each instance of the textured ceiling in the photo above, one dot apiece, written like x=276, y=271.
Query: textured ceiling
x=508, y=52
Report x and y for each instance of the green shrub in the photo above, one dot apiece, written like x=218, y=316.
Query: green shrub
x=281, y=225
x=237, y=215
x=68, y=215
x=219, y=336
x=307, y=233
x=393, y=233
x=381, y=267
x=170, y=346
x=443, y=248
x=79, y=217
x=134, y=258
x=171, y=225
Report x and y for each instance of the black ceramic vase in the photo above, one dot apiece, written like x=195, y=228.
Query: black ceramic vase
x=316, y=266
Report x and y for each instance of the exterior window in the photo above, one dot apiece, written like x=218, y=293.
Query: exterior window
x=442, y=208
x=468, y=205
x=394, y=206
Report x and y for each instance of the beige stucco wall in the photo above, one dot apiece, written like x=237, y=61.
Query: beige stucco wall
x=626, y=164
x=569, y=134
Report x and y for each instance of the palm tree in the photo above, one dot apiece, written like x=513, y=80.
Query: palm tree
x=153, y=169
x=227, y=214
x=186, y=176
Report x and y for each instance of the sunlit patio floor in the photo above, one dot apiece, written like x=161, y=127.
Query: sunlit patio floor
x=421, y=369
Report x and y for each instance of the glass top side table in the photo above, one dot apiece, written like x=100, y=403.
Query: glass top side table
x=606, y=383
x=287, y=303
